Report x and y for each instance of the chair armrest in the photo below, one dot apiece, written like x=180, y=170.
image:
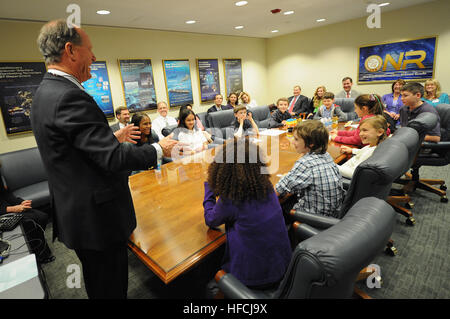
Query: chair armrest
x=319, y=221
x=232, y=288
x=304, y=231
x=436, y=146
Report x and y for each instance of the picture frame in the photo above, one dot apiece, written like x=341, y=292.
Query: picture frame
x=99, y=87
x=208, y=79
x=233, y=76
x=177, y=76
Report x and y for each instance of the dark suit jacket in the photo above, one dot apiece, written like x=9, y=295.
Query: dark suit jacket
x=224, y=107
x=86, y=166
x=301, y=106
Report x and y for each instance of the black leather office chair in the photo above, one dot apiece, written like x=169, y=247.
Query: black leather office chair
x=327, y=264
x=434, y=154
x=261, y=114
x=348, y=107
x=412, y=136
x=372, y=178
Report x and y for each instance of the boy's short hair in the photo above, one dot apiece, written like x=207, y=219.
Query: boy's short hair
x=239, y=108
x=314, y=134
x=413, y=87
x=328, y=95
x=282, y=99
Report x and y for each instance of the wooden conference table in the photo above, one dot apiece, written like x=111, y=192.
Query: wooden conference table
x=171, y=235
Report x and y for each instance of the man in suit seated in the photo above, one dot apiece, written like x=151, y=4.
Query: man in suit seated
x=123, y=117
x=347, y=83
x=298, y=103
x=218, y=99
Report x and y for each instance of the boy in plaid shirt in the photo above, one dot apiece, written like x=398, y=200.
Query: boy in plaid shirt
x=315, y=179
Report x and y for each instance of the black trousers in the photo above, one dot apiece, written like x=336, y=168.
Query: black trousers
x=105, y=272
x=34, y=222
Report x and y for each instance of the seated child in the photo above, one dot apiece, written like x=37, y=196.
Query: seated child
x=366, y=105
x=315, y=178
x=243, y=121
x=329, y=109
x=187, y=133
x=373, y=131
x=279, y=117
x=257, y=250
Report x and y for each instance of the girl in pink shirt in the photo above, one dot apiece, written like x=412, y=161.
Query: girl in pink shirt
x=366, y=105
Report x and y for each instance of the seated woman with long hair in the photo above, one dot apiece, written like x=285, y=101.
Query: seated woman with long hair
x=257, y=250
x=148, y=136
x=194, y=139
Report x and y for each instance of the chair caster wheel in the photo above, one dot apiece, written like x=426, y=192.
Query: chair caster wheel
x=443, y=187
x=444, y=199
x=409, y=205
x=410, y=221
x=391, y=251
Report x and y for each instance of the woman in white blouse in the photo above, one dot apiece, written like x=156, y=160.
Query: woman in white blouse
x=193, y=138
x=246, y=100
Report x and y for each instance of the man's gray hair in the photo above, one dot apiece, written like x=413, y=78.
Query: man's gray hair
x=52, y=39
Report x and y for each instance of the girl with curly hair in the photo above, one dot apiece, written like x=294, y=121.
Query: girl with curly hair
x=258, y=250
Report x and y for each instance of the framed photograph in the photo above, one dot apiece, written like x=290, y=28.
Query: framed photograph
x=177, y=76
x=233, y=76
x=138, y=84
x=407, y=60
x=18, y=84
x=208, y=78
x=98, y=86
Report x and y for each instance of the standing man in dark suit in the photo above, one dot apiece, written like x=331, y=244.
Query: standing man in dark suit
x=123, y=117
x=87, y=164
x=298, y=103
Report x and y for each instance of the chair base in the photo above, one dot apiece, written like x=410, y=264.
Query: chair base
x=411, y=184
x=395, y=201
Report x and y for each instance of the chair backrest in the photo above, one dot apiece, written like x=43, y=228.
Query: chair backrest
x=374, y=176
x=202, y=117
x=444, y=116
x=262, y=115
x=22, y=168
x=220, y=119
x=168, y=129
x=347, y=106
x=423, y=123
x=327, y=264
x=412, y=140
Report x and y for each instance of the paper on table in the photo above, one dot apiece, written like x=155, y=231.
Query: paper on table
x=17, y=272
x=272, y=132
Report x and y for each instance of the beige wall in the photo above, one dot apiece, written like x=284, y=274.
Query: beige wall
x=111, y=44
x=327, y=54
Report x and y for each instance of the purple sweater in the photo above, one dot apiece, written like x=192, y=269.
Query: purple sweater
x=258, y=249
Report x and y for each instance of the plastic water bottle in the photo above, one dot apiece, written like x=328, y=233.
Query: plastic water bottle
x=158, y=164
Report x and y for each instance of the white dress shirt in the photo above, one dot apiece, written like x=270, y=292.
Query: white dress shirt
x=161, y=122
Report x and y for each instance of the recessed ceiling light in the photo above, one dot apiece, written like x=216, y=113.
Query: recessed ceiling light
x=288, y=12
x=274, y=31
x=103, y=12
x=384, y=4
x=191, y=21
x=239, y=27
x=320, y=20
x=241, y=3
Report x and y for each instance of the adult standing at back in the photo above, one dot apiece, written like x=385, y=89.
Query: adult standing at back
x=87, y=164
x=298, y=103
x=163, y=119
x=123, y=118
x=347, y=84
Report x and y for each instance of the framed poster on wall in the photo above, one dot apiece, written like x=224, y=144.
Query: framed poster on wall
x=98, y=86
x=407, y=60
x=233, y=76
x=138, y=84
x=208, y=78
x=177, y=76
x=18, y=84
